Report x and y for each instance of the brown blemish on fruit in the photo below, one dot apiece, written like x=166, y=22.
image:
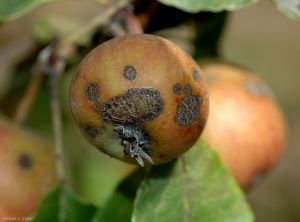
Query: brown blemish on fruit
x=25, y=161
x=188, y=109
x=177, y=88
x=134, y=106
x=188, y=89
x=196, y=75
x=127, y=112
x=91, y=131
x=92, y=91
x=129, y=72
x=97, y=106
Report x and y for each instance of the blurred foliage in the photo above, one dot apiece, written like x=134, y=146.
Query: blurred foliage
x=208, y=5
x=12, y=9
x=291, y=8
x=71, y=210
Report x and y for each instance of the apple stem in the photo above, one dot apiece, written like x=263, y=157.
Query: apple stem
x=131, y=20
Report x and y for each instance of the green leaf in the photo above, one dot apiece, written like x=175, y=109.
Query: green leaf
x=12, y=9
x=195, y=188
x=207, y=5
x=73, y=210
x=291, y=8
x=120, y=204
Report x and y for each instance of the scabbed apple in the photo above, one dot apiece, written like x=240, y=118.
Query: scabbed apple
x=139, y=97
x=27, y=171
x=245, y=125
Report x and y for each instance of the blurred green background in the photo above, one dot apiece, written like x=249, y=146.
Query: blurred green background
x=258, y=37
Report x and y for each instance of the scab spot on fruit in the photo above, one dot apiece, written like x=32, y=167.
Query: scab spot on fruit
x=136, y=105
x=98, y=107
x=196, y=75
x=188, y=109
x=91, y=131
x=127, y=112
x=92, y=91
x=25, y=161
x=188, y=89
x=129, y=72
x=177, y=88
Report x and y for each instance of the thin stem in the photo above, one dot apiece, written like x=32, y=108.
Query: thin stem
x=57, y=128
x=29, y=98
x=132, y=22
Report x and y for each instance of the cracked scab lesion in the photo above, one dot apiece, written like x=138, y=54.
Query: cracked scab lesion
x=136, y=105
x=92, y=91
x=188, y=110
x=129, y=72
x=127, y=112
x=177, y=88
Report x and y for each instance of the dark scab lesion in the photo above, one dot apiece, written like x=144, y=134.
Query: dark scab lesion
x=136, y=105
x=177, y=88
x=188, y=89
x=92, y=91
x=91, y=131
x=127, y=112
x=25, y=161
x=196, y=75
x=129, y=72
x=98, y=107
x=188, y=109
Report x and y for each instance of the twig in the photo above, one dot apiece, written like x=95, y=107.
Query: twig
x=131, y=21
x=29, y=98
x=53, y=67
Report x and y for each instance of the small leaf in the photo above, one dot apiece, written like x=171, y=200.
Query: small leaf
x=120, y=204
x=207, y=5
x=291, y=8
x=194, y=188
x=73, y=209
x=13, y=9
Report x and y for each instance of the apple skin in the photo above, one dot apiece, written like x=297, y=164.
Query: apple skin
x=27, y=170
x=140, y=74
x=245, y=125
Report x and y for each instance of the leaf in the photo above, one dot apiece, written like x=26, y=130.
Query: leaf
x=120, y=204
x=290, y=8
x=73, y=209
x=13, y=9
x=194, y=6
x=195, y=188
